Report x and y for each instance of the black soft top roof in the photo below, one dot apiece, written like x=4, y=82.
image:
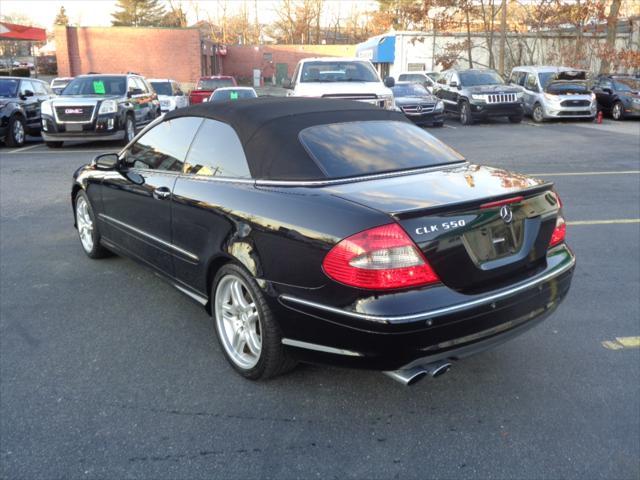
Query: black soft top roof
x=268, y=129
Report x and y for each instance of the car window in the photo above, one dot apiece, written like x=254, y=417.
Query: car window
x=8, y=87
x=40, y=88
x=96, y=85
x=26, y=85
x=228, y=94
x=217, y=152
x=531, y=83
x=369, y=147
x=162, y=88
x=165, y=146
x=338, y=71
x=294, y=79
x=474, y=78
x=213, y=83
x=141, y=85
x=444, y=78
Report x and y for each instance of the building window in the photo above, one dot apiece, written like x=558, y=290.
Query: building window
x=267, y=57
x=415, y=67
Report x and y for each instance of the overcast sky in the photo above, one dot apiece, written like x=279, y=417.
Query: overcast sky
x=98, y=12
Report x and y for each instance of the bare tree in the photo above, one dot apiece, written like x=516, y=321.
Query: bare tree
x=612, y=26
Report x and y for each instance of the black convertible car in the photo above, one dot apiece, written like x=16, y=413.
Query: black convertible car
x=329, y=231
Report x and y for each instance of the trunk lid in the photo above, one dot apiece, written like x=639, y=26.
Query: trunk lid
x=460, y=221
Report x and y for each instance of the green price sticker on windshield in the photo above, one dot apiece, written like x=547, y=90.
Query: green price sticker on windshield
x=233, y=95
x=98, y=87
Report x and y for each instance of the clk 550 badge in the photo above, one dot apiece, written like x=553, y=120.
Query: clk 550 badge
x=441, y=226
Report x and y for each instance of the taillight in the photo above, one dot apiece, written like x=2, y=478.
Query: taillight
x=559, y=233
x=380, y=258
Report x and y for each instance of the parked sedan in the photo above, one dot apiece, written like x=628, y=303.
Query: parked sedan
x=618, y=95
x=20, y=114
x=226, y=94
x=329, y=231
x=418, y=104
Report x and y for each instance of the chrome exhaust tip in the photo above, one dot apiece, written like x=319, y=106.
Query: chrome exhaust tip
x=407, y=377
x=410, y=376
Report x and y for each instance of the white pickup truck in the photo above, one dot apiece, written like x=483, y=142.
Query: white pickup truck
x=346, y=78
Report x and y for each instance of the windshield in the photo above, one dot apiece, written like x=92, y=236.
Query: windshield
x=566, y=87
x=8, y=87
x=627, y=84
x=213, y=83
x=232, y=94
x=413, y=90
x=346, y=71
x=162, y=88
x=473, y=79
x=369, y=147
x=96, y=85
x=435, y=76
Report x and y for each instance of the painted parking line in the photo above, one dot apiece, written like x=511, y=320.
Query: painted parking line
x=605, y=222
x=24, y=149
x=621, y=342
x=450, y=126
x=575, y=174
x=532, y=124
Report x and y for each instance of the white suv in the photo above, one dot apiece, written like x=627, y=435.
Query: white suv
x=345, y=78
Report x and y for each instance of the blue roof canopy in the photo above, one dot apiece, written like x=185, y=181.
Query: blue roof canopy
x=380, y=49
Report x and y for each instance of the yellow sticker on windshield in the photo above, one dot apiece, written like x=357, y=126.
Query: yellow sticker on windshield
x=98, y=87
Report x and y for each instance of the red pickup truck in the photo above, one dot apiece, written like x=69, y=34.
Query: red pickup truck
x=207, y=85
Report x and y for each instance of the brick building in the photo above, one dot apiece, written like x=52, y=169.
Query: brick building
x=179, y=53
x=275, y=61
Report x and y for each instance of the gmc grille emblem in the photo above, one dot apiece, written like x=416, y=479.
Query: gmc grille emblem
x=71, y=111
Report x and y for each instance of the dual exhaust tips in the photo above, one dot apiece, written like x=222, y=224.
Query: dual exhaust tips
x=413, y=375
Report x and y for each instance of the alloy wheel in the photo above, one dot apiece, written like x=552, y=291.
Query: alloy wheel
x=131, y=132
x=617, y=111
x=18, y=132
x=238, y=322
x=85, y=224
x=538, y=115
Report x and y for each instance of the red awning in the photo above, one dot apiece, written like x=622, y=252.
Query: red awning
x=11, y=31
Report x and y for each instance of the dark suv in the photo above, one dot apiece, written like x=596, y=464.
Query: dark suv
x=20, y=100
x=479, y=94
x=99, y=107
x=618, y=95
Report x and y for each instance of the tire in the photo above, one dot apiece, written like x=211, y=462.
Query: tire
x=88, y=228
x=515, y=118
x=537, y=114
x=54, y=144
x=617, y=111
x=465, y=113
x=16, y=132
x=245, y=326
x=129, y=129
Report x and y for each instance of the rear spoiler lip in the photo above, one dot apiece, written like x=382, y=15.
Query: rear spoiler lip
x=459, y=207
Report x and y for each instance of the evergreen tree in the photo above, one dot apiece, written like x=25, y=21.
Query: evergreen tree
x=138, y=13
x=61, y=17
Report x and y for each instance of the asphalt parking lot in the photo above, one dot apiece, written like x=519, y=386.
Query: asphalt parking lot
x=106, y=371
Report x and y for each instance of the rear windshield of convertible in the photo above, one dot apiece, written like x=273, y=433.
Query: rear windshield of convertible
x=370, y=147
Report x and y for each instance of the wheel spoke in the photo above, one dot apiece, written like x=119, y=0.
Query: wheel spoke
x=253, y=343
x=238, y=342
x=237, y=295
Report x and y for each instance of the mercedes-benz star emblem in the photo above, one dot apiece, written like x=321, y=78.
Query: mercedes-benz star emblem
x=506, y=213
x=419, y=108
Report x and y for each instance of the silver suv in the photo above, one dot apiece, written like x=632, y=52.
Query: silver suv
x=555, y=92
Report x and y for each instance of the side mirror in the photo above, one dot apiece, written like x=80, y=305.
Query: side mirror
x=389, y=82
x=453, y=84
x=607, y=90
x=27, y=93
x=134, y=91
x=286, y=83
x=106, y=161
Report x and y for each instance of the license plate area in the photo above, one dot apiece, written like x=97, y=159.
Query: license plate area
x=74, y=127
x=494, y=241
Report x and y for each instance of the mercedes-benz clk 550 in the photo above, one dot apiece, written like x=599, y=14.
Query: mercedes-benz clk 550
x=329, y=231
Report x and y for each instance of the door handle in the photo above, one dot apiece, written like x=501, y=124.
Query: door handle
x=161, y=193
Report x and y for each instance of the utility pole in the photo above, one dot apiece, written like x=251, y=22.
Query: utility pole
x=503, y=35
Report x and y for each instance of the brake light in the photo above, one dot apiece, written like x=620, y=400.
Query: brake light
x=381, y=258
x=559, y=233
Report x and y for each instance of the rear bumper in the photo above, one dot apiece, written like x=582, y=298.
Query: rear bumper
x=350, y=337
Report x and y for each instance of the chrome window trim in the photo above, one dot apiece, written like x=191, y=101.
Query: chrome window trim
x=440, y=311
x=320, y=348
x=375, y=176
x=148, y=235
